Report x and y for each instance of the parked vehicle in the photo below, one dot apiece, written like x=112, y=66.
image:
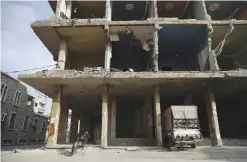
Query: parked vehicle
x=181, y=126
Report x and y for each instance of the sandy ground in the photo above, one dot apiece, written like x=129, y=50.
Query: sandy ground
x=94, y=154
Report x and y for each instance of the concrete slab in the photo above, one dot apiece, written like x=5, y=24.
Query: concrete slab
x=55, y=26
x=80, y=83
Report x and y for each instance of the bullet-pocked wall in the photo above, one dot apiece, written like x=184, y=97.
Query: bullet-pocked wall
x=88, y=9
x=232, y=112
x=180, y=47
x=224, y=10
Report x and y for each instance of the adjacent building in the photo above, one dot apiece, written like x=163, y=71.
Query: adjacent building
x=20, y=122
x=122, y=63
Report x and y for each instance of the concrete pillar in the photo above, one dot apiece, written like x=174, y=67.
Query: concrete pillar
x=113, y=119
x=104, y=126
x=62, y=129
x=62, y=55
x=55, y=115
x=74, y=126
x=108, y=50
x=108, y=45
x=155, y=49
x=213, y=119
x=155, y=9
x=64, y=8
x=108, y=11
x=188, y=100
x=69, y=8
x=157, y=113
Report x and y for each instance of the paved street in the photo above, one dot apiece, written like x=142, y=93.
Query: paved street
x=94, y=154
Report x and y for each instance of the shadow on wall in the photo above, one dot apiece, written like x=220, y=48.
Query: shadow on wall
x=180, y=45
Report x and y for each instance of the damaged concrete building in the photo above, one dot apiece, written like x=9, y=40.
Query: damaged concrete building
x=122, y=63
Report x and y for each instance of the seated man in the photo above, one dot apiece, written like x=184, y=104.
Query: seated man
x=84, y=136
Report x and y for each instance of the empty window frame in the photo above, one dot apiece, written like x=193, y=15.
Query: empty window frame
x=12, y=121
x=25, y=124
x=33, y=140
x=34, y=125
x=40, y=140
x=29, y=101
x=3, y=92
x=17, y=97
x=8, y=142
x=3, y=115
x=43, y=128
x=22, y=141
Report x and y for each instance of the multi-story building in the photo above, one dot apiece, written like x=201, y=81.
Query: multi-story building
x=122, y=63
x=20, y=124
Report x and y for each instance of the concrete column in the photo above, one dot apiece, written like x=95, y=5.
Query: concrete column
x=104, y=126
x=74, y=126
x=64, y=8
x=155, y=8
x=69, y=8
x=62, y=55
x=188, y=100
x=108, y=49
x=108, y=45
x=213, y=119
x=108, y=11
x=155, y=49
x=55, y=115
x=157, y=113
x=113, y=119
x=62, y=129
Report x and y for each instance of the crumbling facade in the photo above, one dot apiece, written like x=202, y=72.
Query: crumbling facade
x=122, y=63
x=20, y=124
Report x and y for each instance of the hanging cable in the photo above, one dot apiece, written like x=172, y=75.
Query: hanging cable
x=18, y=71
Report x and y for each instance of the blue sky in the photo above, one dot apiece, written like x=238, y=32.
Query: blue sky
x=20, y=47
